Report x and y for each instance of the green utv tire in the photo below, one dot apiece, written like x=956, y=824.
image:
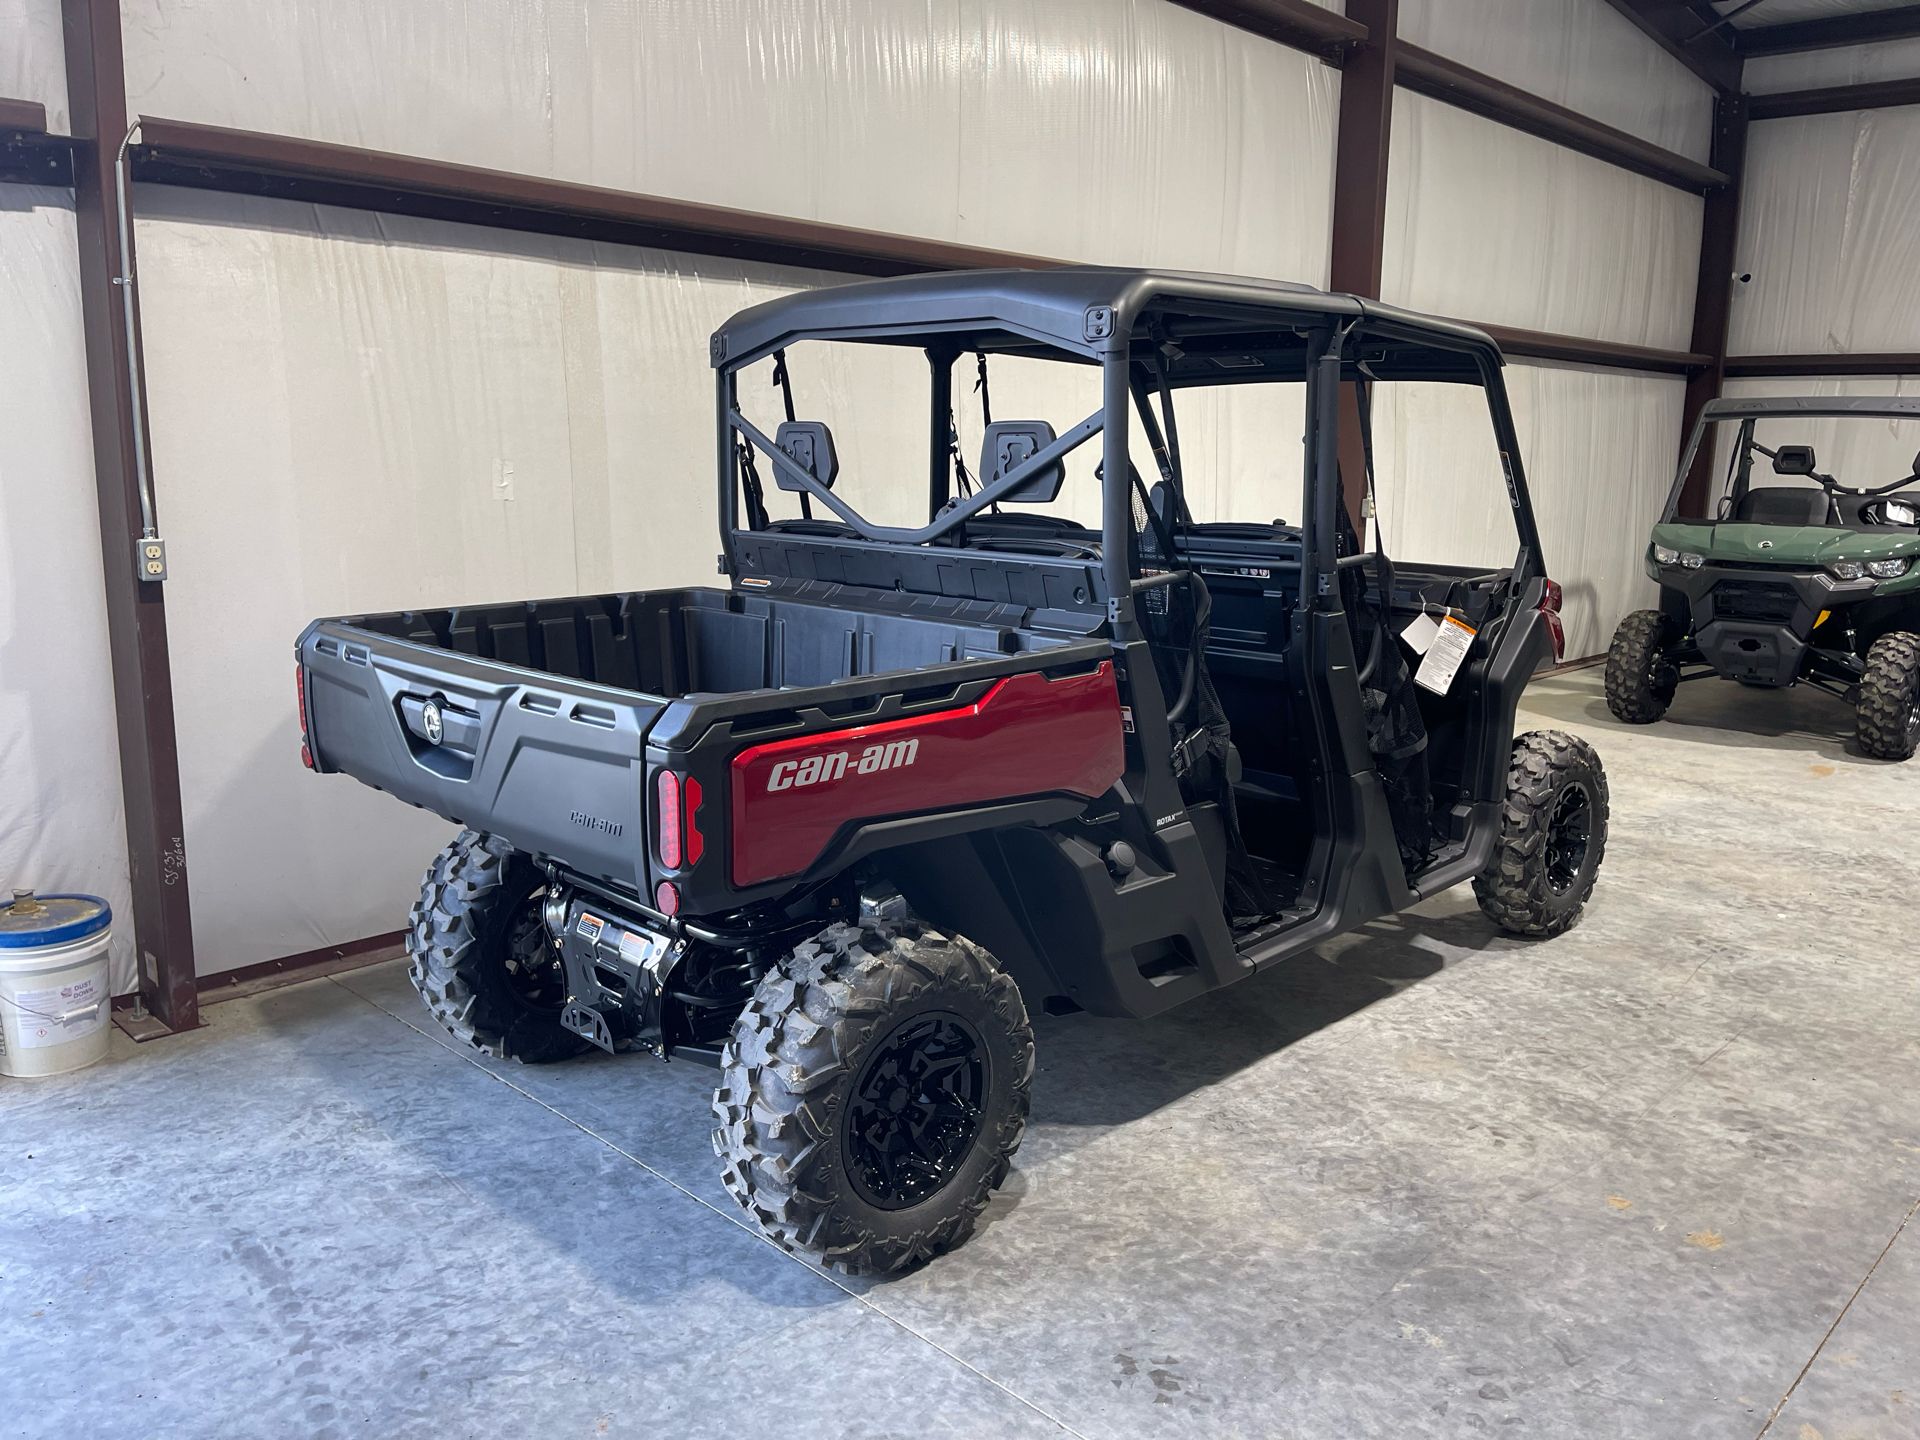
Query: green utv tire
x=1887, y=716
x=1640, y=681
x=873, y=1094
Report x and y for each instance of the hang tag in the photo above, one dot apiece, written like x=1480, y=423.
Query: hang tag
x=1420, y=632
x=1445, y=654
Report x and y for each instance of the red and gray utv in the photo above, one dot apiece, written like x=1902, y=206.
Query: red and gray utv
x=953, y=739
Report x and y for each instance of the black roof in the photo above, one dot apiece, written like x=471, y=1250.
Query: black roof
x=1048, y=305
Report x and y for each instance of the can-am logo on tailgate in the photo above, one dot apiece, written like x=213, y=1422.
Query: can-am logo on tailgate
x=824, y=769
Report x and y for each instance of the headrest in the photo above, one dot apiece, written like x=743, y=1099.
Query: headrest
x=809, y=444
x=1008, y=445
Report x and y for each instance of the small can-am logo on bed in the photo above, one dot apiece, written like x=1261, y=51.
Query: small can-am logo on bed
x=824, y=769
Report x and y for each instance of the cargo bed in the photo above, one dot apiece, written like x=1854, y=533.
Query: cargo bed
x=531, y=720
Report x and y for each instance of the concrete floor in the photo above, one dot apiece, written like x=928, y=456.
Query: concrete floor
x=1655, y=1178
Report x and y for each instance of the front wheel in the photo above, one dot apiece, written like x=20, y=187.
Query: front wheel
x=1640, y=678
x=1887, y=718
x=873, y=1094
x=1553, y=835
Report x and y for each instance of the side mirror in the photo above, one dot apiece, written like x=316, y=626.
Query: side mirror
x=1793, y=460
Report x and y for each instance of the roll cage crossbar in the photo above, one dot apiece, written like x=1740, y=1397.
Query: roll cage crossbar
x=952, y=516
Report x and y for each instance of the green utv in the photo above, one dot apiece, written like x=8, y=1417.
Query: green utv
x=1785, y=575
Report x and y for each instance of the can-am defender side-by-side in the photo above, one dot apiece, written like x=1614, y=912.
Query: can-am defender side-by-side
x=1796, y=578
x=836, y=826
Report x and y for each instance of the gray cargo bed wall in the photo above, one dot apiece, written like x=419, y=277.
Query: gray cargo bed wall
x=543, y=708
x=674, y=642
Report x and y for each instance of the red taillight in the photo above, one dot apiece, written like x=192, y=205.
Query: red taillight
x=300, y=693
x=696, y=842
x=666, y=898
x=676, y=820
x=666, y=819
x=1550, y=607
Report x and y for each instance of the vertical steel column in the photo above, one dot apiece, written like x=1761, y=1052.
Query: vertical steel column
x=1360, y=199
x=1713, y=293
x=136, y=610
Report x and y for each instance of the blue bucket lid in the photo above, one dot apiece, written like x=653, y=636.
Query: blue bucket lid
x=28, y=923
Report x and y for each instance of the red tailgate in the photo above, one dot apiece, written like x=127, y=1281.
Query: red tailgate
x=1028, y=735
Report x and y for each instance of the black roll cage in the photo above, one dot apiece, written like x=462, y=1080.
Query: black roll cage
x=1156, y=342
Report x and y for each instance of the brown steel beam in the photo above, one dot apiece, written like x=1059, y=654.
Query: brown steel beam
x=208, y=157
x=1359, y=241
x=1677, y=30
x=176, y=152
x=1876, y=363
x=1860, y=28
x=1876, y=95
x=28, y=154
x=1295, y=23
x=136, y=611
x=1448, y=80
x=23, y=115
x=1713, y=284
x=1613, y=354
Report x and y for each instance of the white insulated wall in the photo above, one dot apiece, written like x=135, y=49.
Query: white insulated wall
x=1490, y=224
x=61, y=824
x=1583, y=54
x=32, y=58
x=1100, y=130
x=355, y=413
x=1830, y=230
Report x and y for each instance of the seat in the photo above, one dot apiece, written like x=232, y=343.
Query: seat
x=1782, y=505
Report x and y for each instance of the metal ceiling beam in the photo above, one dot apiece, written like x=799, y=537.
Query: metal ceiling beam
x=1436, y=76
x=136, y=610
x=1298, y=24
x=1676, y=29
x=1613, y=354
x=28, y=154
x=209, y=157
x=1860, y=28
x=1878, y=363
x=1875, y=95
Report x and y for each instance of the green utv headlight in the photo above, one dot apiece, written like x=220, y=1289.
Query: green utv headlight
x=1847, y=569
x=1663, y=556
x=1691, y=561
x=1888, y=569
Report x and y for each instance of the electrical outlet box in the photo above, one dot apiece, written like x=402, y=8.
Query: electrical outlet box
x=150, y=558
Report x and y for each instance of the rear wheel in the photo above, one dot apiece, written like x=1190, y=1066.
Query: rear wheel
x=873, y=1094
x=482, y=958
x=1887, y=717
x=1553, y=835
x=1640, y=678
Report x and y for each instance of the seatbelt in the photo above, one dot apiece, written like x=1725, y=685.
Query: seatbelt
x=750, y=484
x=980, y=388
x=786, y=393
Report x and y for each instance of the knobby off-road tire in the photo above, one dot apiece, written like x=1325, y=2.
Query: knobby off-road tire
x=1553, y=835
x=1887, y=716
x=482, y=959
x=1640, y=681
x=865, y=1033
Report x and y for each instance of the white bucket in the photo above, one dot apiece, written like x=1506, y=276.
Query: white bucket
x=55, y=999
